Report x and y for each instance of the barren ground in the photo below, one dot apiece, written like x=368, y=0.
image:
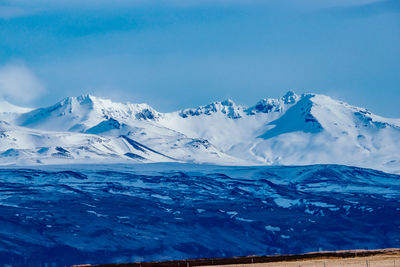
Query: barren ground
x=391, y=260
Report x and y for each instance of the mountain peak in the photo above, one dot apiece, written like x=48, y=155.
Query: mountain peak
x=84, y=98
x=72, y=103
x=290, y=97
x=83, y=112
x=268, y=105
x=228, y=102
x=227, y=107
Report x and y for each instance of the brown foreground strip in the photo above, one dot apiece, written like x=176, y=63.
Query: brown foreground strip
x=389, y=254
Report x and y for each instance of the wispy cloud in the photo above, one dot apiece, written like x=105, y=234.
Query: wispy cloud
x=19, y=84
x=119, y=3
x=367, y=9
x=17, y=8
x=8, y=12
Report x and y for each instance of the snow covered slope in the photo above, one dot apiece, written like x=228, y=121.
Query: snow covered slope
x=9, y=111
x=300, y=130
x=25, y=146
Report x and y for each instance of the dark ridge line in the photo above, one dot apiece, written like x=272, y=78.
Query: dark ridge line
x=341, y=254
x=141, y=147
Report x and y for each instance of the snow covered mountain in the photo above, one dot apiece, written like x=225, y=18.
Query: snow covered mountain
x=292, y=130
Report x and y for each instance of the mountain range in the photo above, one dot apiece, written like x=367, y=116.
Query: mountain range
x=293, y=130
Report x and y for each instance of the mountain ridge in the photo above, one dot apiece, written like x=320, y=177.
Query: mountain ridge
x=292, y=130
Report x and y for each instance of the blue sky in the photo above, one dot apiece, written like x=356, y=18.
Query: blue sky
x=175, y=54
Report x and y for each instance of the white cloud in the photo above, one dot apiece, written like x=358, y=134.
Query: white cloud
x=18, y=84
